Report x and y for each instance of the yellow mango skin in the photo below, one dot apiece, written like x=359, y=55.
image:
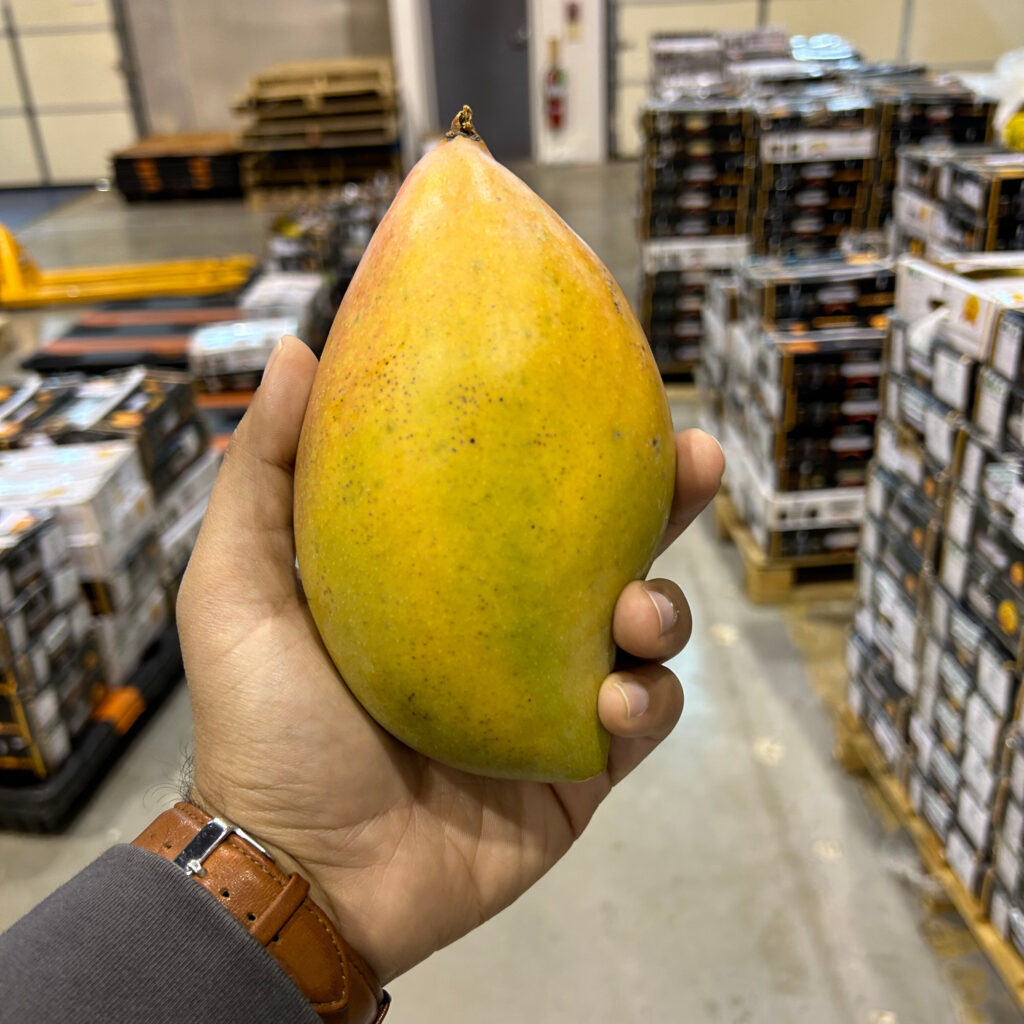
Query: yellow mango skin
x=487, y=459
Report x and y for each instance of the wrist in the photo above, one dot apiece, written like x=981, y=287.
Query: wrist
x=274, y=907
x=285, y=861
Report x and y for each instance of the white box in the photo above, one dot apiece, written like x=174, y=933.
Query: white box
x=97, y=491
x=241, y=346
x=123, y=638
x=694, y=253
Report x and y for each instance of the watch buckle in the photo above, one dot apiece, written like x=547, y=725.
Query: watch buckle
x=206, y=840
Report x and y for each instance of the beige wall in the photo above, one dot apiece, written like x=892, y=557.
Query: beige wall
x=946, y=34
x=194, y=56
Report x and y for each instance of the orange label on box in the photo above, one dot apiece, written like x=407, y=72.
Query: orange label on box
x=1008, y=618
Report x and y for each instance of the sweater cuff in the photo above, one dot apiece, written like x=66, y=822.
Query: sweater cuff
x=132, y=938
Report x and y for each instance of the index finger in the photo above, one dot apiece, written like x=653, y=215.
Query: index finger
x=700, y=464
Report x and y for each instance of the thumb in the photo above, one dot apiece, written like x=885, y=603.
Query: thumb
x=245, y=548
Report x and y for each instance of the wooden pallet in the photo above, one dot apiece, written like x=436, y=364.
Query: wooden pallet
x=326, y=77
x=313, y=105
x=328, y=140
x=779, y=580
x=856, y=750
x=304, y=127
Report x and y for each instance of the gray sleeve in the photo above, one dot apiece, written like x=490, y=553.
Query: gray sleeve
x=132, y=939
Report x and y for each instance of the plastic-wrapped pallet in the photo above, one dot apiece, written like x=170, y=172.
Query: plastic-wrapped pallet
x=48, y=663
x=104, y=504
x=696, y=187
x=802, y=399
x=105, y=495
x=938, y=645
x=718, y=316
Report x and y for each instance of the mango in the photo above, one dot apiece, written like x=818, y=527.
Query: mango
x=486, y=460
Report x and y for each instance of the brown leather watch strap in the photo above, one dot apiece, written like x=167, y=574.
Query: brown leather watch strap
x=276, y=910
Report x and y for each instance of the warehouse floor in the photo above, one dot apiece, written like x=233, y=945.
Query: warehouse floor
x=738, y=877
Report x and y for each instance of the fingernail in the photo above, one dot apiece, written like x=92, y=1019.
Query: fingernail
x=668, y=614
x=722, y=450
x=274, y=352
x=635, y=695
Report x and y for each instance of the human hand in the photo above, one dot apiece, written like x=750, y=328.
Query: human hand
x=404, y=853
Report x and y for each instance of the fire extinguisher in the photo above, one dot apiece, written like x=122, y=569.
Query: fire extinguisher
x=556, y=84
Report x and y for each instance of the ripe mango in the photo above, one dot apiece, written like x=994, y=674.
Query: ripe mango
x=486, y=460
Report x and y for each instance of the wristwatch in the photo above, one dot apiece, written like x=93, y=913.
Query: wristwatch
x=274, y=908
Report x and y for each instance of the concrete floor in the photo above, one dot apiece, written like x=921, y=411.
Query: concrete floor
x=737, y=877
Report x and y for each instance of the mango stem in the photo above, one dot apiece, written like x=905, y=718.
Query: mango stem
x=462, y=124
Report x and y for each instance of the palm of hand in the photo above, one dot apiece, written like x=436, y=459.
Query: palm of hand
x=405, y=853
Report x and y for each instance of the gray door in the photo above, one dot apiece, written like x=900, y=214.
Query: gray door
x=480, y=58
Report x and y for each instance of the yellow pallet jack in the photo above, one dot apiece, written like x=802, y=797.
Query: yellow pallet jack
x=23, y=285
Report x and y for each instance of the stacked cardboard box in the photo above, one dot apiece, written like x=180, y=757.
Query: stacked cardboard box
x=314, y=125
x=103, y=503
x=800, y=366
x=935, y=656
x=49, y=667
x=117, y=472
x=922, y=110
x=959, y=199
x=676, y=274
x=697, y=184
x=816, y=151
x=697, y=168
x=685, y=62
x=720, y=376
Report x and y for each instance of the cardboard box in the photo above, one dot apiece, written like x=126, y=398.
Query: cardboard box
x=937, y=811
x=944, y=774
x=122, y=638
x=128, y=582
x=288, y=295
x=840, y=364
x=816, y=295
x=1014, y=764
x=179, y=538
x=1008, y=347
x=1007, y=863
x=150, y=412
x=693, y=254
x=32, y=546
x=233, y=355
x=949, y=725
x=968, y=863
x=982, y=777
x=990, y=186
x=97, y=492
x=976, y=292
x=953, y=377
x=192, y=487
x=51, y=649
x=917, y=216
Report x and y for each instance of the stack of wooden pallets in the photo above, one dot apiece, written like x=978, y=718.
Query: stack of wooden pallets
x=314, y=125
